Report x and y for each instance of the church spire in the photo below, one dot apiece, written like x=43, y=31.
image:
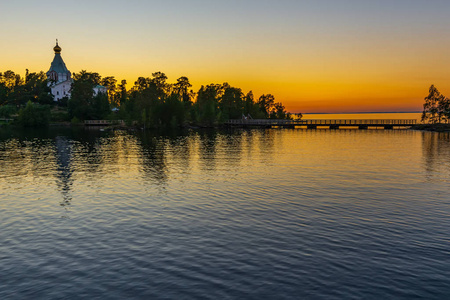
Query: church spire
x=58, y=71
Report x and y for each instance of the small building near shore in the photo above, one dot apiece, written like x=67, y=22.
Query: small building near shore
x=100, y=89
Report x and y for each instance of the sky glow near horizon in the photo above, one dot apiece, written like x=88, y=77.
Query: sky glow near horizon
x=314, y=56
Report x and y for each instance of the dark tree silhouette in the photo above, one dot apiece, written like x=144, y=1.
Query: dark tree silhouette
x=434, y=102
x=266, y=104
x=83, y=104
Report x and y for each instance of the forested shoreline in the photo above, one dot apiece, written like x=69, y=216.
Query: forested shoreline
x=151, y=102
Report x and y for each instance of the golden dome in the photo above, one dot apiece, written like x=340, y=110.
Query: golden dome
x=57, y=48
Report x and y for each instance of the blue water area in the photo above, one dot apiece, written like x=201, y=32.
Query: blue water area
x=209, y=214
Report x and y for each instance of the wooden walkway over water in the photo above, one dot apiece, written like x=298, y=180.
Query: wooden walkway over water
x=332, y=124
x=103, y=122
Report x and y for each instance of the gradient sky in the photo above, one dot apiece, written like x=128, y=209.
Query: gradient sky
x=314, y=56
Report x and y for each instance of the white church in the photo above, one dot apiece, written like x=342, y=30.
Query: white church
x=60, y=79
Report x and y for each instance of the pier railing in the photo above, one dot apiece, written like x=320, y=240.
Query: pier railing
x=103, y=122
x=403, y=122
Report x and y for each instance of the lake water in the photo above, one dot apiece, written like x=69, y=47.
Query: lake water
x=243, y=214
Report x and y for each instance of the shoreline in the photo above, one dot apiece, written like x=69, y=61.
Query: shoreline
x=421, y=127
x=432, y=127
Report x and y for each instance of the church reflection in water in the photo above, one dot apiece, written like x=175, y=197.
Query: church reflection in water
x=76, y=160
x=64, y=172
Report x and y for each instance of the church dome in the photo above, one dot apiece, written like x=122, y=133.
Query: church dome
x=57, y=48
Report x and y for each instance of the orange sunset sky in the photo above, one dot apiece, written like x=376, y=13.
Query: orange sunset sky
x=314, y=56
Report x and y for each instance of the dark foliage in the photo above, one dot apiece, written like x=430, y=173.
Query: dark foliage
x=83, y=104
x=15, y=90
x=34, y=115
x=436, y=108
x=151, y=102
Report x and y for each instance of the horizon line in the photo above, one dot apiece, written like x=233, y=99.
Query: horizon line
x=362, y=112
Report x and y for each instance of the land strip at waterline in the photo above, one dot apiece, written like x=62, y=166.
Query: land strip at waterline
x=432, y=127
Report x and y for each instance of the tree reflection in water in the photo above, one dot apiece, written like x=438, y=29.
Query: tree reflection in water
x=436, y=147
x=152, y=155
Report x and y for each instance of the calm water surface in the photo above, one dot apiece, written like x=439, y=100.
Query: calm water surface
x=257, y=214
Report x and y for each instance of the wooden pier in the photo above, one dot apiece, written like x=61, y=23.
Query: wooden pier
x=331, y=124
x=103, y=122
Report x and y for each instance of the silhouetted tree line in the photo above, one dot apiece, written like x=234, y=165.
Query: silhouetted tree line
x=436, y=108
x=17, y=91
x=151, y=101
x=33, y=115
x=83, y=103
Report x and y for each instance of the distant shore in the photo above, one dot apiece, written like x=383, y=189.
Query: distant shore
x=432, y=127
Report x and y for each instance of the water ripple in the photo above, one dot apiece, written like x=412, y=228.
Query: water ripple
x=259, y=214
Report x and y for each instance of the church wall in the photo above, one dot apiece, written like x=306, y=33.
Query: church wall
x=61, y=90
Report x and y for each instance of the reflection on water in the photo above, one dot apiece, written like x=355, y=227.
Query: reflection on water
x=436, y=148
x=153, y=160
x=64, y=171
x=279, y=213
